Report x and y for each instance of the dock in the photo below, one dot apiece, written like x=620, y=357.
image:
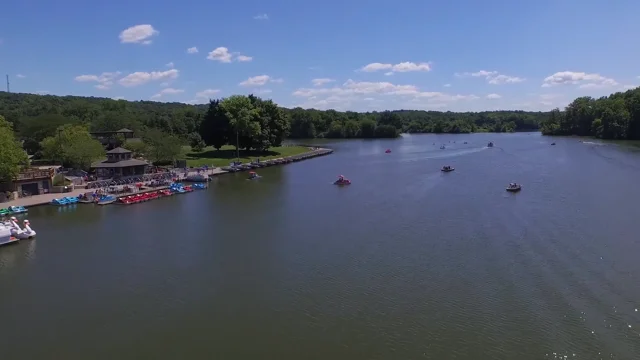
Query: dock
x=45, y=199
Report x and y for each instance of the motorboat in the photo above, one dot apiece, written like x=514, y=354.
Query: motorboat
x=17, y=232
x=442, y=147
x=188, y=188
x=513, y=187
x=5, y=235
x=447, y=168
x=106, y=200
x=199, y=186
x=490, y=144
x=342, y=181
x=465, y=142
x=553, y=143
x=388, y=151
x=253, y=175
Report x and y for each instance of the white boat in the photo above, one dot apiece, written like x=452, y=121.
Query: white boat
x=5, y=235
x=17, y=232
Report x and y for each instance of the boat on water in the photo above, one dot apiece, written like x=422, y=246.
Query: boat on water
x=513, y=187
x=490, y=144
x=342, y=181
x=253, y=175
x=447, y=168
x=442, y=147
x=553, y=143
x=197, y=178
x=106, y=200
x=20, y=233
x=199, y=186
x=5, y=235
x=87, y=198
x=138, y=198
x=177, y=188
x=388, y=151
x=67, y=200
x=13, y=210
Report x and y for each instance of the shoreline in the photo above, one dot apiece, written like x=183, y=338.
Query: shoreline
x=45, y=199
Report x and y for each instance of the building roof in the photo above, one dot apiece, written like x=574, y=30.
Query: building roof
x=119, y=150
x=119, y=164
x=124, y=130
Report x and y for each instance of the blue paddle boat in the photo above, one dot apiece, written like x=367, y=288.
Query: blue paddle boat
x=17, y=209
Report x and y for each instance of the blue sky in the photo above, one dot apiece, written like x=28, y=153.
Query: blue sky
x=347, y=55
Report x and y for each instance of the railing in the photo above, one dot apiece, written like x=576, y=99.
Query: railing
x=34, y=174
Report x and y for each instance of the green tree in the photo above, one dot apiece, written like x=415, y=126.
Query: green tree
x=215, y=128
x=196, y=142
x=138, y=148
x=74, y=146
x=163, y=148
x=368, y=128
x=12, y=156
x=242, y=115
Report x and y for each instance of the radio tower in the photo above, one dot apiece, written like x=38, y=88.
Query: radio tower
x=8, y=89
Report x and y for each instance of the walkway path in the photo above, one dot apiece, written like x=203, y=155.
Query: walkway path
x=40, y=199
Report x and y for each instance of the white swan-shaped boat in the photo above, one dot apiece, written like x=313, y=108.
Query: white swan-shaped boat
x=17, y=232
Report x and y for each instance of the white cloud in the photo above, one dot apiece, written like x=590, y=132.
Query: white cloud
x=42, y=92
x=353, y=92
x=585, y=80
x=322, y=81
x=204, y=96
x=170, y=65
x=406, y=66
x=505, y=79
x=261, y=17
x=220, y=54
x=20, y=76
x=140, y=77
x=192, y=50
x=259, y=80
x=628, y=87
x=167, y=91
x=118, y=98
x=104, y=80
x=139, y=34
x=493, y=96
x=492, y=77
x=223, y=55
x=447, y=85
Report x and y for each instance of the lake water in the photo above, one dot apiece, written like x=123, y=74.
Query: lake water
x=406, y=263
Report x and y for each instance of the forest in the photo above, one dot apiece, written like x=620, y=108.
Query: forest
x=615, y=117
x=28, y=111
x=58, y=127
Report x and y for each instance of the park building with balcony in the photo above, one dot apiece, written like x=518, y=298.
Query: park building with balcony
x=119, y=163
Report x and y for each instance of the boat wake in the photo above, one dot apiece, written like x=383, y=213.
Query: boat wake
x=447, y=154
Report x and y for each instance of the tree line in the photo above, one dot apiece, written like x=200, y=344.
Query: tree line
x=313, y=123
x=616, y=116
x=58, y=127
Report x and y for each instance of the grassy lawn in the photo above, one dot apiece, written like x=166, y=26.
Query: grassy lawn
x=212, y=157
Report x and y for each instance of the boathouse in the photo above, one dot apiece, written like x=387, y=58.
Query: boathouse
x=119, y=163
